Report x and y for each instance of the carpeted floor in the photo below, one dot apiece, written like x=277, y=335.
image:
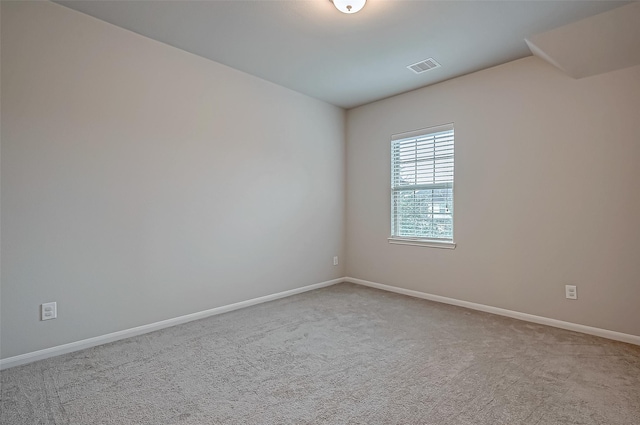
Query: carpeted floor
x=340, y=355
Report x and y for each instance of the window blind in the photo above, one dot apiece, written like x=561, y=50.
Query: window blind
x=422, y=164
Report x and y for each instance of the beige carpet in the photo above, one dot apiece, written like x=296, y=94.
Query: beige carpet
x=340, y=355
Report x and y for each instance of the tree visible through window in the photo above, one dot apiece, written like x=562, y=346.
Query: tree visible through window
x=422, y=184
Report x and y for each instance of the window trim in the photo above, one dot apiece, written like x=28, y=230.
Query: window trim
x=416, y=241
x=431, y=243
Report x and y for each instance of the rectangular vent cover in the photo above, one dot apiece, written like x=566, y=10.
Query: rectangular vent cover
x=424, y=66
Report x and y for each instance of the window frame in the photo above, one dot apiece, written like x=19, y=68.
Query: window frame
x=421, y=241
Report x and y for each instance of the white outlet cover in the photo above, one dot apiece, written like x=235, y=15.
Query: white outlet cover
x=571, y=292
x=48, y=311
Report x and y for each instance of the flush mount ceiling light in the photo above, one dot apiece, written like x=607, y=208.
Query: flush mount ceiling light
x=349, y=6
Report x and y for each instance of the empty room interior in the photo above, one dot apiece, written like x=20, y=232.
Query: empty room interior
x=320, y=212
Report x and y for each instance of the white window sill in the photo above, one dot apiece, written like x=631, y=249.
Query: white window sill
x=423, y=242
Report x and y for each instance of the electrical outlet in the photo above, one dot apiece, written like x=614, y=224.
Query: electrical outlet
x=48, y=311
x=335, y=260
x=571, y=292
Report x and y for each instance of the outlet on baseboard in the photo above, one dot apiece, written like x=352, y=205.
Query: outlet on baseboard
x=48, y=311
x=571, y=292
x=335, y=260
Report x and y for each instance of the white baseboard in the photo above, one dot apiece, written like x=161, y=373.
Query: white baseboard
x=604, y=333
x=128, y=333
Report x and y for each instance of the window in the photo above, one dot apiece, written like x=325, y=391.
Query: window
x=422, y=187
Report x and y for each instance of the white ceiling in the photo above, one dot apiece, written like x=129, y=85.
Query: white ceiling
x=346, y=60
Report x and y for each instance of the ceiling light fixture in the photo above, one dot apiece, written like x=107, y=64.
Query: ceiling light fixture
x=349, y=6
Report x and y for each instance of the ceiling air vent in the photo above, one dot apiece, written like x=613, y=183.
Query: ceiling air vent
x=424, y=66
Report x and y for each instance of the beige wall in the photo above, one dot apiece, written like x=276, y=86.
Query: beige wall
x=546, y=193
x=141, y=183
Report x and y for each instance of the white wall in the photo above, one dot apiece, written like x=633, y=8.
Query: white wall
x=140, y=182
x=546, y=193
